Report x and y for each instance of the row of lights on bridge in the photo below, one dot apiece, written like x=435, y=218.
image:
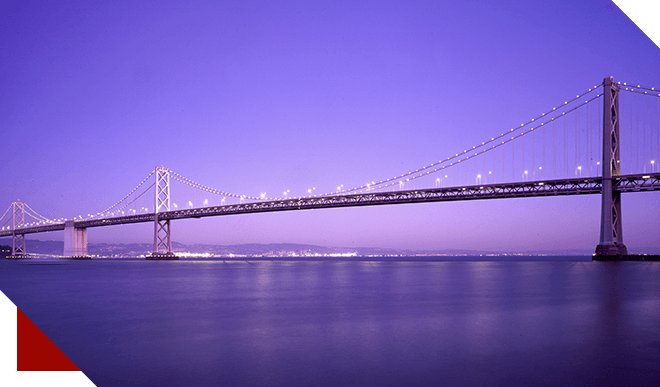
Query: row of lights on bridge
x=222, y=202
x=368, y=185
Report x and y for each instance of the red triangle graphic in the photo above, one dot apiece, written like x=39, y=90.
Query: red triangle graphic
x=35, y=351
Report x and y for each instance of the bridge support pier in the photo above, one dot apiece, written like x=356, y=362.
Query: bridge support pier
x=611, y=235
x=75, y=241
x=162, y=231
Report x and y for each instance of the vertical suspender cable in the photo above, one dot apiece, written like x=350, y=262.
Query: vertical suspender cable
x=589, y=159
x=630, y=135
x=638, y=137
x=543, y=155
x=644, y=130
x=493, y=169
x=577, y=140
x=652, y=143
x=554, y=150
x=599, y=138
x=533, y=155
x=565, y=158
x=633, y=141
x=503, y=164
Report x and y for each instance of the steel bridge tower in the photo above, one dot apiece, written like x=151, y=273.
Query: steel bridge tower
x=162, y=231
x=18, y=221
x=611, y=236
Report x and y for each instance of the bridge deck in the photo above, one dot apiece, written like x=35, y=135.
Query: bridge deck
x=574, y=186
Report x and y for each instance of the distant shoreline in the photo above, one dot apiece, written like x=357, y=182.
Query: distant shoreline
x=302, y=252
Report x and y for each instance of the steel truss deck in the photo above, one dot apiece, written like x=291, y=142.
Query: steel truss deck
x=560, y=187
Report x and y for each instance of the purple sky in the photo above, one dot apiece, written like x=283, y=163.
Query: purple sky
x=251, y=97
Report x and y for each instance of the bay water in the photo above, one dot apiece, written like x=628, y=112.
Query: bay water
x=542, y=322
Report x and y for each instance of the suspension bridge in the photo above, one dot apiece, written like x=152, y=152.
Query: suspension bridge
x=573, y=149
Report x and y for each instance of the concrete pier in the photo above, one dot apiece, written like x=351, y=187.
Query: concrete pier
x=75, y=241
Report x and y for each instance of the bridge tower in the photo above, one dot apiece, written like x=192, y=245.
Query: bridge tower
x=162, y=231
x=611, y=236
x=18, y=221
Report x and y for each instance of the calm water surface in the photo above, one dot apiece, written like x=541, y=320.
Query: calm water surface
x=275, y=323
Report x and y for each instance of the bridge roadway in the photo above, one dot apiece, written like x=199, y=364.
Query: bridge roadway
x=573, y=186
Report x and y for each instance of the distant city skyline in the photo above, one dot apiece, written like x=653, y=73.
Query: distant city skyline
x=264, y=98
